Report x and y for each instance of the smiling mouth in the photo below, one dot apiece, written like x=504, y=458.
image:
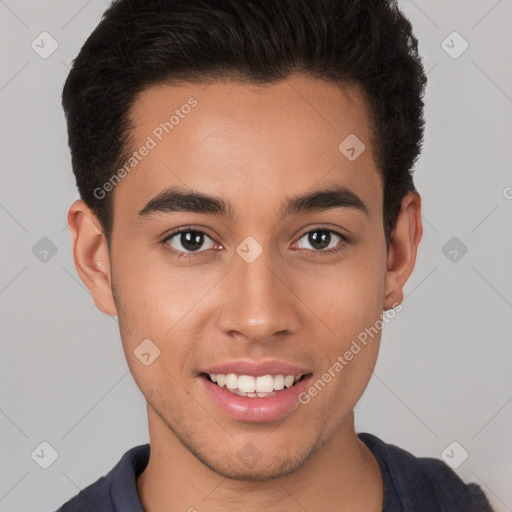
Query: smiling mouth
x=250, y=386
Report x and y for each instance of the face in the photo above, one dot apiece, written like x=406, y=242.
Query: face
x=256, y=275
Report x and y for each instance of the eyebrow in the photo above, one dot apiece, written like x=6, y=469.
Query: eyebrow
x=177, y=199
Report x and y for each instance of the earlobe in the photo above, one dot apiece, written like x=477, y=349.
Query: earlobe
x=403, y=249
x=91, y=257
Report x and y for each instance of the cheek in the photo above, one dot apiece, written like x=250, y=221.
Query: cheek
x=154, y=295
x=346, y=297
x=155, y=344
x=347, y=302
x=162, y=304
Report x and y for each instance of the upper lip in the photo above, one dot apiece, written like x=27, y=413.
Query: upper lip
x=256, y=368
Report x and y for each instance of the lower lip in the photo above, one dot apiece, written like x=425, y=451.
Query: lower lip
x=256, y=409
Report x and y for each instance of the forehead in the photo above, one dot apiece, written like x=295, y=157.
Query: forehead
x=258, y=140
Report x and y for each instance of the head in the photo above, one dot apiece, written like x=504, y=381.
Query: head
x=285, y=128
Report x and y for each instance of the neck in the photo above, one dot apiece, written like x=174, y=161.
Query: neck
x=342, y=473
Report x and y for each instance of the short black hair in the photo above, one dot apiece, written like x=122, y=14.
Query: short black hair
x=141, y=43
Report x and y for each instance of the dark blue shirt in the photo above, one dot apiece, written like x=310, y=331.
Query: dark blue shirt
x=411, y=484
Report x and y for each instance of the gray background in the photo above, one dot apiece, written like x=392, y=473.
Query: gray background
x=443, y=374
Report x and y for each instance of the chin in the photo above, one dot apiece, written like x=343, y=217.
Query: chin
x=259, y=471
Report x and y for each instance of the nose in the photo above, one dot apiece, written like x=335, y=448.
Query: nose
x=260, y=304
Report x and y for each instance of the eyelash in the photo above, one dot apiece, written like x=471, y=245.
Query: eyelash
x=181, y=254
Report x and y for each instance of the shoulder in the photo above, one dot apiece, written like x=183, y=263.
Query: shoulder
x=424, y=483
x=96, y=496
x=117, y=490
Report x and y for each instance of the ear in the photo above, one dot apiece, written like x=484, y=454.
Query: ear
x=403, y=247
x=91, y=257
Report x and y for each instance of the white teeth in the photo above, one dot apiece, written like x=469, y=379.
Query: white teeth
x=252, y=395
x=231, y=381
x=247, y=385
x=279, y=382
x=288, y=380
x=265, y=384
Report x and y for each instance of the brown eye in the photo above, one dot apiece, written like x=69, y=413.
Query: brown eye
x=189, y=240
x=322, y=239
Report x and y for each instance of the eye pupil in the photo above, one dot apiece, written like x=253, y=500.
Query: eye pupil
x=323, y=239
x=191, y=240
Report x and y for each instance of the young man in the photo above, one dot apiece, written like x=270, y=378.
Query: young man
x=248, y=213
